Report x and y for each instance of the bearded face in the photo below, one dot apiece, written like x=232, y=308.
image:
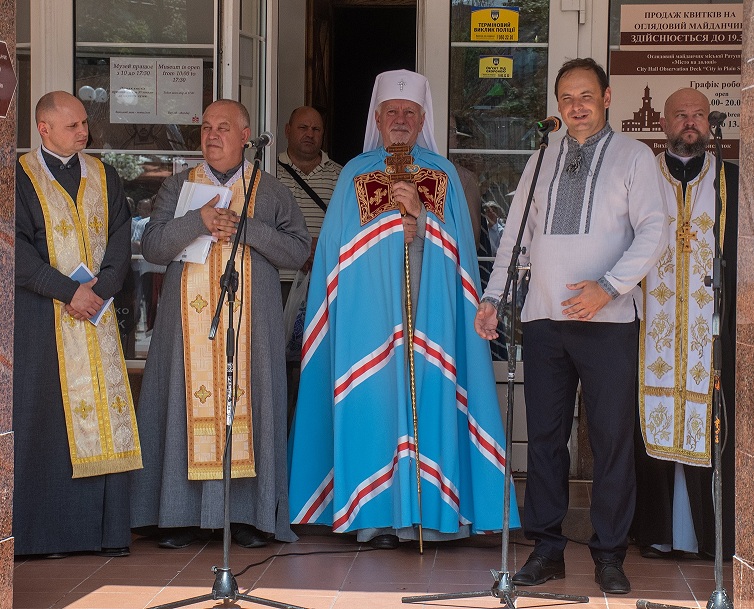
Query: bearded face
x=686, y=123
x=690, y=142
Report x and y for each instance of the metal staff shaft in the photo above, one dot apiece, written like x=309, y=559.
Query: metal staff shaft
x=412, y=384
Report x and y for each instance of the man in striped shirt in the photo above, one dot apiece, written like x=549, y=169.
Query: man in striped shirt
x=311, y=176
x=306, y=159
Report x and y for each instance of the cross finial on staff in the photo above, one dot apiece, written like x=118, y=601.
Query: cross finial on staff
x=401, y=84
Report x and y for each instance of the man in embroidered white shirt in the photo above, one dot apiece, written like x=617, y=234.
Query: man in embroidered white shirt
x=596, y=227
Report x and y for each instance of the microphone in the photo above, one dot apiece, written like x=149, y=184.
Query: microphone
x=716, y=119
x=265, y=139
x=549, y=125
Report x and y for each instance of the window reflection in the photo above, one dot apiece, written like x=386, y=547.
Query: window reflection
x=492, y=126
x=153, y=21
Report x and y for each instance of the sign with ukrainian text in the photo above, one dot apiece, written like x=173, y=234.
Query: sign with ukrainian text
x=660, y=26
x=165, y=91
x=494, y=24
x=667, y=47
x=495, y=66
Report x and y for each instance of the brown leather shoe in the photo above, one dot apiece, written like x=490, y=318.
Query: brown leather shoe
x=538, y=569
x=611, y=578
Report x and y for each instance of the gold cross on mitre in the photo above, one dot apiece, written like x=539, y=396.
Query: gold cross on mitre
x=685, y=235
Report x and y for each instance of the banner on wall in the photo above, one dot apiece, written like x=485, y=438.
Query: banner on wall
x=165, y=91
x=667, y=47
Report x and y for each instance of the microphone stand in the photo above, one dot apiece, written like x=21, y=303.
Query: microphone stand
x=719, y=598
x=225, y=587
x=503, y=587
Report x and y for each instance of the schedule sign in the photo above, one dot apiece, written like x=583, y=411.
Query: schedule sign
x=155, y=91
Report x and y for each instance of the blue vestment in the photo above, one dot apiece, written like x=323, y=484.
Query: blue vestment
x=352, y=450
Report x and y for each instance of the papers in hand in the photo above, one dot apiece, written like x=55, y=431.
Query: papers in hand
x=193, y=196
x=82, y=274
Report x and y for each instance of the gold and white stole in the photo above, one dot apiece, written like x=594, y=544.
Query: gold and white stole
x=675, y=371
x=99, y=410
x=205, y=360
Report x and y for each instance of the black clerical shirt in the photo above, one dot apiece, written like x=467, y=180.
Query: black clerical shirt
x=67, y=174
x=684, y=172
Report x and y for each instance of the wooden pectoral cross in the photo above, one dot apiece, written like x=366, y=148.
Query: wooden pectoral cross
x=685, y=235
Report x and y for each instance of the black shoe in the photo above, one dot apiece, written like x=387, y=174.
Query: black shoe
x=114, y=552
x=652, y=552
x=538, y=569
x=248, y=536
x=611, y=578
x=175, y=539
x=384, y=542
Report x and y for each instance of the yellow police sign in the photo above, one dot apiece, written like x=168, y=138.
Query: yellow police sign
x=494, y=66
x=495, y=24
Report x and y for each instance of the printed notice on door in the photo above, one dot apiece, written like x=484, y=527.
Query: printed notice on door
x=667, y=47
x=165, y=91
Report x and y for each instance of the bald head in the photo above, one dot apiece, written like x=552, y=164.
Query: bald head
x=685, y=97
x=685, y=122
x=225, y=130
x=304, y=132
x=62, y=123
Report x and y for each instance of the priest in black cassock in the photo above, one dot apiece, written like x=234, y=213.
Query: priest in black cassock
x=73, y=415
x=674, y=514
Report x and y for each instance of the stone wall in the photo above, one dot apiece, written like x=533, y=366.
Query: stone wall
x=743, y=567
x=7, y=232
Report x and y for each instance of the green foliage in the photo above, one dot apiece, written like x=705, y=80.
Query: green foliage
x=121, y=22
x=128, y=166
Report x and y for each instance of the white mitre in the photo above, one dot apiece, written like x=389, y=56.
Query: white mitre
x=401, y=84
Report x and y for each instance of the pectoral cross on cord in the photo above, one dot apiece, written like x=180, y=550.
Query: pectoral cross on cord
x=685, y=235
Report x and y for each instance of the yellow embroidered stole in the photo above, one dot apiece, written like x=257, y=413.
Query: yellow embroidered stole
x=675, y=371
x=205, y=360
x=99, y=410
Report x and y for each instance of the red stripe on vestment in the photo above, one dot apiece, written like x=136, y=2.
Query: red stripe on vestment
x=380, y=230
x=435, y=234
x=367, y=366
x=491, y=450
x=320, y=498
x=368, y=489
x=434, y=353
x=349, y=253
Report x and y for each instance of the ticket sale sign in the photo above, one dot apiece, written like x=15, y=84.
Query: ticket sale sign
x=494, y=24
x=667, y=47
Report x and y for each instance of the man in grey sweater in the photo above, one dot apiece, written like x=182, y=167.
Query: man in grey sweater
x=182, y=405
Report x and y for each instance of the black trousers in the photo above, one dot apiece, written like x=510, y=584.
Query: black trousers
x=604, y=357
